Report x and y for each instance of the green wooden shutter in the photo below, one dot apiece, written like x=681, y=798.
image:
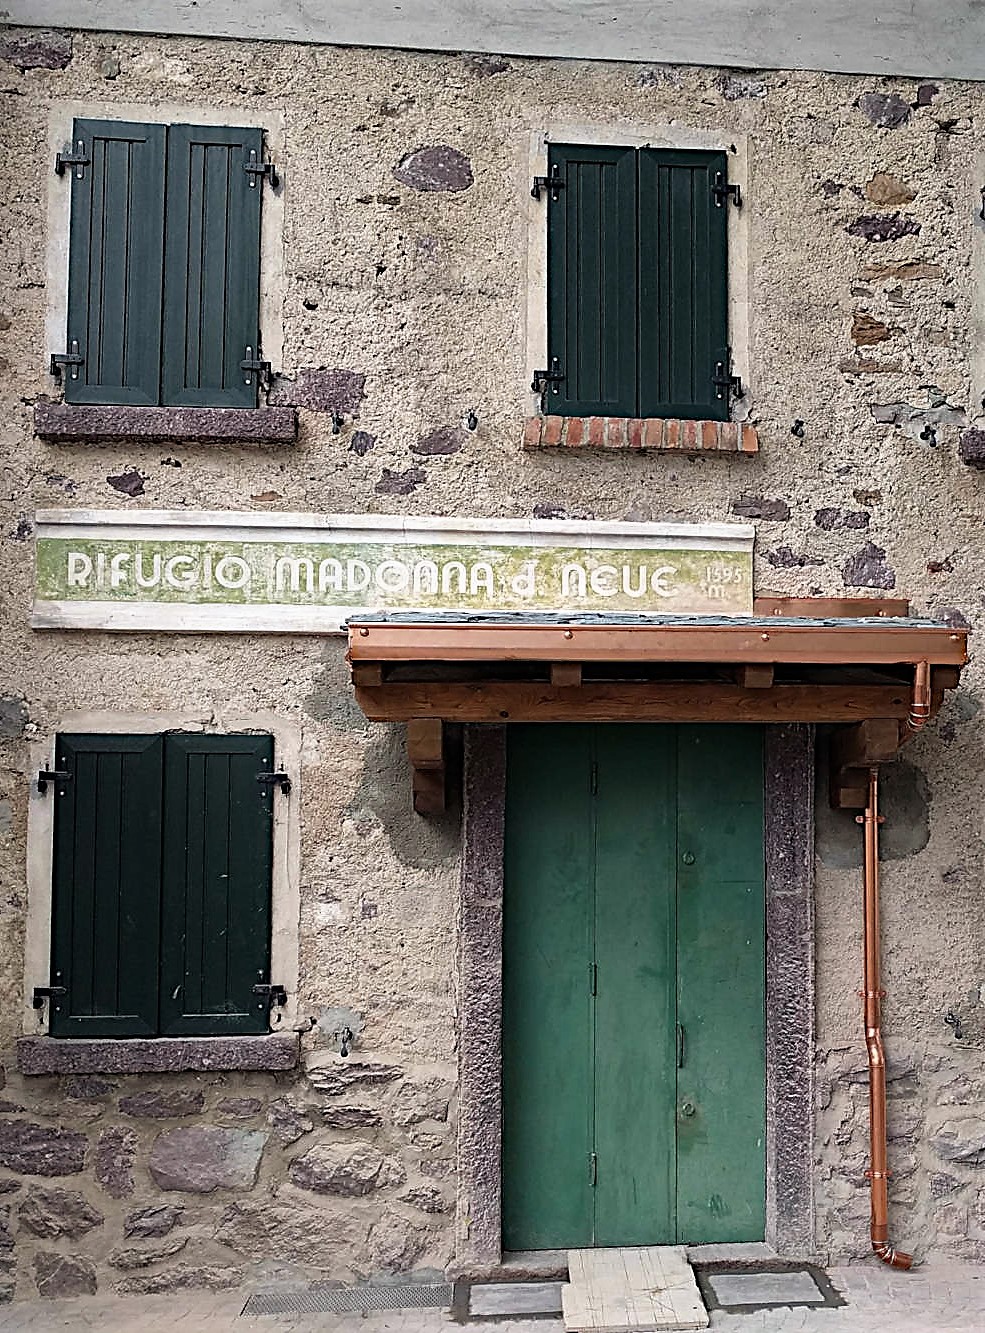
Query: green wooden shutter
x=592, y=303
x=212, y=266
x=683, y=284
x=116, y=249
x=218, y=825
x=106, y=886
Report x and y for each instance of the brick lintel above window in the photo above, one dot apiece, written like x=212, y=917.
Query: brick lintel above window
x=651, y=434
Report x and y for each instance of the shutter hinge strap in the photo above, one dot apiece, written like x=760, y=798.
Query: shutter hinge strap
x=272, y=994
x=553, y=182
x=52, y=775
x=253, y=365
x=723, y=191
x=548, y=379
x=42, y=993
x=727, y=385
x=279, y=779
x=72, y=358
x=79, y=159
x=257, y=170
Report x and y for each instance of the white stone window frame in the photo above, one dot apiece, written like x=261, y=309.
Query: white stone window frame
x=285, y=877
x=60, y=124
x=637, y=135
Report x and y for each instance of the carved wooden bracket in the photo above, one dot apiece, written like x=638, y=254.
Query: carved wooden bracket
x=426, y=752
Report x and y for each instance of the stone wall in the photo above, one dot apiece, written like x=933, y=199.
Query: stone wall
x=406, y=197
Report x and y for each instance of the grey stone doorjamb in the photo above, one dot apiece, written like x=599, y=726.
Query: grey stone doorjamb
x=789, y=848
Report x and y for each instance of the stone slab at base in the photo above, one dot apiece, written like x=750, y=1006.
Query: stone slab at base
x=75, y=423
x=653, y=434
x=156, y=1055
x=631, y=1289
x=514, y=1298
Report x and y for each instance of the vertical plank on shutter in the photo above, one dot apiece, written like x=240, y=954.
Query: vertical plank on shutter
x=218, y=824
x=683, y=258
x=212, y=266
x=106, y=886
x=116, y=257
x=592, y=301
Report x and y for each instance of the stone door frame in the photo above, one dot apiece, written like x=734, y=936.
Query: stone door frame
x=789, y=846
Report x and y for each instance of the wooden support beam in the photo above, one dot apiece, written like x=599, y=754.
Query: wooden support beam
x=426, y=752
x=633, y=702
x=367, y=673
x=565, y=673
x=854, y=750
x=757, y=677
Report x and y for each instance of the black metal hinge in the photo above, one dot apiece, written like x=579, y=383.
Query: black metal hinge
x=52, y=775
x=253, y=364
x=79, y=159
x=548, y=379
x=279, y=779
x=723, y=191
x=72, y=358
x=727, y=385
x=42, y=993
x=553, y=182
x=272, y=994
x=256, y=170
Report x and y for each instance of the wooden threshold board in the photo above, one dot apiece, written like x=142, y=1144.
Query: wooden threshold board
x=631, y=1289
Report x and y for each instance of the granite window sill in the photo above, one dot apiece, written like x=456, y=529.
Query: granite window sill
x=155, y=1055
x=83, y=423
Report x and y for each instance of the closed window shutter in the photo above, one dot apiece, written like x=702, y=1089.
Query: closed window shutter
x=218, y=825
x=592, y=298
x=683, y=283
x=106, y=886
x=212, y=274
x=116, y=264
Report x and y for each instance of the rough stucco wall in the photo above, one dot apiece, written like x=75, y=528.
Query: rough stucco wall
x=423, y=293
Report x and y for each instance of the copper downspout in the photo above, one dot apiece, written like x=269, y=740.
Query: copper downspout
x=878, y=1173
x=920, y=700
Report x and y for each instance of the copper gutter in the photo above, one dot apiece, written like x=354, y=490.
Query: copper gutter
x=878, y=1173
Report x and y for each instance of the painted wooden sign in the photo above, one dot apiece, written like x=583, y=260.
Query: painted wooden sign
x=297, y=573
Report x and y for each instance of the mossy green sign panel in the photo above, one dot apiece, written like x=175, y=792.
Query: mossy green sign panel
x=633, y=986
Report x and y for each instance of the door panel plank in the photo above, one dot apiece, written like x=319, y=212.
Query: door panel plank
x=547, y=948
x=721, y=985
x=635, y=1005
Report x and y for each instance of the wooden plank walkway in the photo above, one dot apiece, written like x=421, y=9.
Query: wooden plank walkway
x=632, y=1289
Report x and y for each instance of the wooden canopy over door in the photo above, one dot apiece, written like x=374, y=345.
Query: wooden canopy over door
x=881, y=673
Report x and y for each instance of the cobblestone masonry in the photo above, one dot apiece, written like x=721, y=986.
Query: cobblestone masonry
x=403, y=311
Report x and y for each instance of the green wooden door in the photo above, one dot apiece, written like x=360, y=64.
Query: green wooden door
x=633, y=989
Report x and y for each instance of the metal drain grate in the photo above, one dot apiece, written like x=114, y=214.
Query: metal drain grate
x=320, y=1298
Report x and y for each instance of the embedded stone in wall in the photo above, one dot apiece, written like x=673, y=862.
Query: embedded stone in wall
x=883, y=227
x=13, y=715
x=350, y=1117
x=64, y=1275
x=37, y=50
x=400, y=483
x=443, y=440
x=87, y=1087
x=289, y=1120
x=867, y=330
x=338, y=391
x=971, y=448
x=203, y=1158
x=397, y=1244
x=239, y=1108
x=907, y=270
x=135, y=1256
x=756, y=506
x=867, y=568
x=335, y=1079
x=926, y=93
x=888, y=191
x=961, y=1140
x=785, y=558
x=360, y=443
x=38, y=1150
x=128, y=483
x=832, y=520
x=163, y=1105
x=426, y=1198
x=115, y=1151
x=55, y=1212
x=181, y=1279
x=152, y=1223
x=424, y=1099
x=345, y=1168
x=919, y=424
x=735, y=87
x=434, y=169
x=886, y=111
x=868, y=365
x=484, y=66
